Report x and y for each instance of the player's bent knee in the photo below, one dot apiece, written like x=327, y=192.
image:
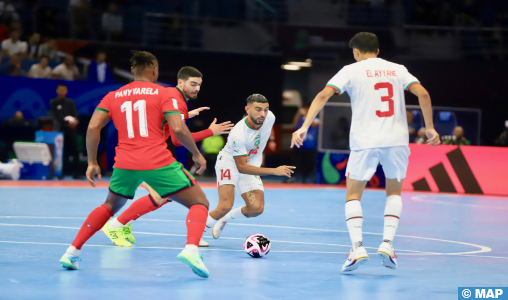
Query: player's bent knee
x=223, y=210
x=255, y=210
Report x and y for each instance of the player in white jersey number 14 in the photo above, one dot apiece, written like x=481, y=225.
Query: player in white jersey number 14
x=239, y=166
x=379, y=134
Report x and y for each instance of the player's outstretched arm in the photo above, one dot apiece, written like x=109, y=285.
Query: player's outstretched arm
x=213, y=130
x=93, y=135
x=426, y=105
x=244, y=168
x=195, y=112
x=317, y=104
x=183, y=135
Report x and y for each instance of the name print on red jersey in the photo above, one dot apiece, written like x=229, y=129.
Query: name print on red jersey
x=137, y=91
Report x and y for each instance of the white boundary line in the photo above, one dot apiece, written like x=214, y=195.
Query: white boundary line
x=483, y=249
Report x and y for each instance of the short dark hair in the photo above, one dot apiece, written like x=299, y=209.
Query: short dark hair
x=61, y=84
x=187, y=72
x=44, y=56
x=256, y=98
x=142, y=59
x=366, y=42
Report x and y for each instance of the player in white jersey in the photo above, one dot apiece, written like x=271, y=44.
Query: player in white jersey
x=239, y=166
x=379, y=134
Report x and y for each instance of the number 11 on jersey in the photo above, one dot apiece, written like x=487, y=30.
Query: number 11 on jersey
x=140, y=107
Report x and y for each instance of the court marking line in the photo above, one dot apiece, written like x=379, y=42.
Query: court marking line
x=419, y=199
x=183, y=235
x=210, y=249
x=415, y=252
x=170, y=248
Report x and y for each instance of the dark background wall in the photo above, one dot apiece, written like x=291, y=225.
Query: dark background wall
x=228, y=79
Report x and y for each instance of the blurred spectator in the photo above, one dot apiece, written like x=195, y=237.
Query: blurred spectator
x=64, y=111
x=457, y=138
x=7, y=11
x=34, y=46
x=99, y=71
x=112, y=23
x=40, y=70
x=80, y=15
x=49, y=50
x=13, y=45
x=502, y=140
x=4, y=32
x=305, y=157
x=422, y=137
x=411, y=125
x=66, y=70
x=18, y=119
x=13, y=67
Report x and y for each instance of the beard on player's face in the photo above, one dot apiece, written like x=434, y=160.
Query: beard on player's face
x=258, y=120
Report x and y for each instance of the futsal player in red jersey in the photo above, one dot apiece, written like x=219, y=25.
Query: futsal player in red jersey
x=138, y=110
x=119, y=230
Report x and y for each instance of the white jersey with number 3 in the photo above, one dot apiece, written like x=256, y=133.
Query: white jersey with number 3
x=376, y=88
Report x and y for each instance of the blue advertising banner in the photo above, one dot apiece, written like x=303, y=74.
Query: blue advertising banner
x=55, y=138
x=31, y=96
x=331, y=169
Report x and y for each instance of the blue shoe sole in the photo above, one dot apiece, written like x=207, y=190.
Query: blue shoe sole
x=197, y=271
x=386, y=260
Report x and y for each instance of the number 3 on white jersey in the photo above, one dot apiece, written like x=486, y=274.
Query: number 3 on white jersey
x=140, y=107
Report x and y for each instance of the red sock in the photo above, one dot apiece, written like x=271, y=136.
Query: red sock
x=196, y=221
x=93, y=223
x=140, y=207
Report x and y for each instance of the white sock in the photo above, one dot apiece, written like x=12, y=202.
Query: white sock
x=192, y=248
x=393, y=209
x=234, y=214
x=115, y=224
x=210, y=222
x=72, y=250
x=354, y=221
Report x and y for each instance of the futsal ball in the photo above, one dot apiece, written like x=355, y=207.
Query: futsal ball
x=257, y=245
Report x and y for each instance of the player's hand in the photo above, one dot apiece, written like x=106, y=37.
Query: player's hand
x=284, y=171
x=156, y=197
x=196, y=111
x=200, y=163
x=433, y=137
x=221, y=128
x=91, y=171
x=298, y=137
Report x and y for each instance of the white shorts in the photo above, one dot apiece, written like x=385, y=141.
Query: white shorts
x=362, y=164
x=227, y=173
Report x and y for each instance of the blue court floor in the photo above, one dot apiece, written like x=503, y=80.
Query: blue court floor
x=444, y=242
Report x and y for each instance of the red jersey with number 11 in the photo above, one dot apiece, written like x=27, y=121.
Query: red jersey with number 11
x=137, y=110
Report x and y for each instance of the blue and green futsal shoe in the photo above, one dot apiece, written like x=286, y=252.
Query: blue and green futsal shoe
x=195, y=261
x=69, y=261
